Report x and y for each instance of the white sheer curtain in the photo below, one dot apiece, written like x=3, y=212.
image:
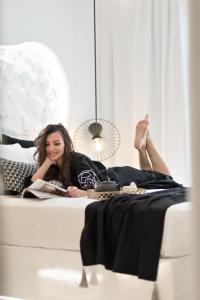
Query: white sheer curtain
x=146, y=41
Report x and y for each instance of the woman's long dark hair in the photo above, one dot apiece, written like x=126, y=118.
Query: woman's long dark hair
x=63, y=173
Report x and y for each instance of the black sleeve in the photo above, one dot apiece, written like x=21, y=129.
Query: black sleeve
x=84, y=173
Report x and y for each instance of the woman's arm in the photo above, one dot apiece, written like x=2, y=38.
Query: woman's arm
x=73, y=191
x=42, y=170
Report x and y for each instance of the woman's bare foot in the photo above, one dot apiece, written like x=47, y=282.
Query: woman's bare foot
x=141, y=133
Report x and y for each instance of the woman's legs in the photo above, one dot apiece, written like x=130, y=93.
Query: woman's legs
x=157, y=162
x=149, y=157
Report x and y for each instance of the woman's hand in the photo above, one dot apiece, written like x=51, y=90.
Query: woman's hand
x=48, y=162
x=73, y=191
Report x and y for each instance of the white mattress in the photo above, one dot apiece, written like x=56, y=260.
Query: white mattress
x=54, y=223
x=177, y=231
x=57, y=223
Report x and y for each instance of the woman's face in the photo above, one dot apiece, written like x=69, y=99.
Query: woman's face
x=55, y=146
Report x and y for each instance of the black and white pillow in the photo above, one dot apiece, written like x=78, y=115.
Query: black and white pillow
x=14, y=174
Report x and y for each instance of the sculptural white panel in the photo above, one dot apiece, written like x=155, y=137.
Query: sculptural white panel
x=34, y=90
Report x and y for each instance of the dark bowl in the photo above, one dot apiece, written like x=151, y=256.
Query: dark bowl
x=107, y=186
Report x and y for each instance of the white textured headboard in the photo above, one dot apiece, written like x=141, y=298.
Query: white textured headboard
x=34, y=90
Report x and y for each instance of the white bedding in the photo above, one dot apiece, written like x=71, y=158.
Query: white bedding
x=177, y=231
x=54, y=223
x=57, y=223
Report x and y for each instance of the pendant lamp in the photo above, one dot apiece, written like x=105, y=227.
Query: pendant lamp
x=97, y=138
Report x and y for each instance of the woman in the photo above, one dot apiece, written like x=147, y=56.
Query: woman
x=77, y=173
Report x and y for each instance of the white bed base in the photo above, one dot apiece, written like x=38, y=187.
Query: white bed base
x=38, y=273
x=31, y=272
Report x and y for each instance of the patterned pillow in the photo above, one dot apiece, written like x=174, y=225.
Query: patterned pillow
x=14, y=174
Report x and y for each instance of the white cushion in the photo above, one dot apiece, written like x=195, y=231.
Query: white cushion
x=12, y=152
x=15, y=152
x=28, y=154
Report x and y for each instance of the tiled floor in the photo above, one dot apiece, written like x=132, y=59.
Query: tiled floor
x=40, y=274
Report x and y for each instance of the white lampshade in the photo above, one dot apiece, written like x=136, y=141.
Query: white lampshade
x=98, y=144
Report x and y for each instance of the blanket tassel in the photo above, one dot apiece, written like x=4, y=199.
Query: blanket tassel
x=83, y=282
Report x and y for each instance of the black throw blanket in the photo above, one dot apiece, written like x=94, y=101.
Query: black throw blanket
x=124, y=233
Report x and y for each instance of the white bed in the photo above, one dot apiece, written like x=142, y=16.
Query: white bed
x=32, y=228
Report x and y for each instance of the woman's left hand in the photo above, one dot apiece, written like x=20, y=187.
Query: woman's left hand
x=73, y=191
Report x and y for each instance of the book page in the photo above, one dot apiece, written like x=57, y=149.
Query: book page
x=42, y=185
x=44, y=190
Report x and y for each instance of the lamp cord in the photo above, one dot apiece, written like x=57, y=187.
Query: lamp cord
x=95, y=63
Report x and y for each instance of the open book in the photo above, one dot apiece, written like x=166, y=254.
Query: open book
x=43, y=190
